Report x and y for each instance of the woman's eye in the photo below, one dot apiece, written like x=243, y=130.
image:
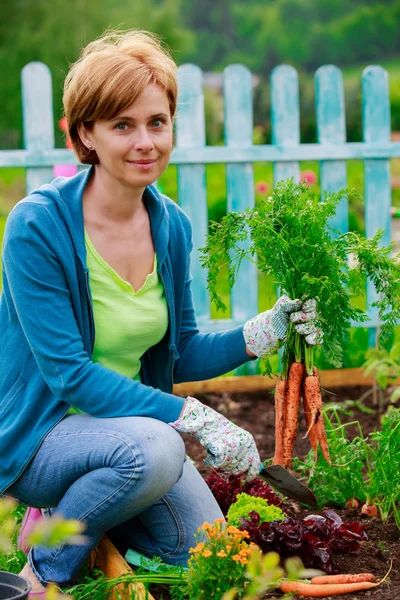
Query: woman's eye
x=157, y=123
x=121, y=126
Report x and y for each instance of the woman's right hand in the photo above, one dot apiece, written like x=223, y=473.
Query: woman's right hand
x=230, y=448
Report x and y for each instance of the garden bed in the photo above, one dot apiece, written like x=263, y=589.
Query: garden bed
x=255, y=412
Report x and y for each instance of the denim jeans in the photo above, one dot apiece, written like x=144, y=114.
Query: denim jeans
x=126, y=476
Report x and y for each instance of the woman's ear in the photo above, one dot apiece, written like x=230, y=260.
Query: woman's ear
x=85, y=135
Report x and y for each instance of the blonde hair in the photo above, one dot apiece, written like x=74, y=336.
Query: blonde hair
x=111, y=73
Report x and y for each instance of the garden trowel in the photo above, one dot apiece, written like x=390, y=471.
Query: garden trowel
x=287, y=484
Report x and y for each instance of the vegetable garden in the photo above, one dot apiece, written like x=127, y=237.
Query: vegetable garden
x=343, y=443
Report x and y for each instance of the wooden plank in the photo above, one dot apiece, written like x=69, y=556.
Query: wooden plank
x=331, y=129
x=238, y=114
x=223, y=154
x=190, y=134
x=107, y=559
x=285, y=119
x=377, y=185
x=38, y=124
x=332, y=378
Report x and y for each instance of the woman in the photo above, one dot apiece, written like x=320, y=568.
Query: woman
x=97, y=322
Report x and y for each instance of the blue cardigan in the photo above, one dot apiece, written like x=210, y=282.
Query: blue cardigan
x=47, y=328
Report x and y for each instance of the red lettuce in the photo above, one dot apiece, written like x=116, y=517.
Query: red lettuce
x=225, y=490
x=314, y=539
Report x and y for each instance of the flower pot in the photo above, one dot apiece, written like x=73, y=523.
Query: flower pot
x=13, y=587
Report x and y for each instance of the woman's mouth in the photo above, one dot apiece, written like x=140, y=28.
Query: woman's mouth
x=143, y=164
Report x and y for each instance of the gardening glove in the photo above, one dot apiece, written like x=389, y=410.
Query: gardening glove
x=306, y=317
x=266, y=332
x=230, y=448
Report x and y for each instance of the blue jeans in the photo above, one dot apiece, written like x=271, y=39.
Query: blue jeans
x=126, y=476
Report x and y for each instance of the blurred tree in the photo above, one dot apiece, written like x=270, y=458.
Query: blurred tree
x=37, y=30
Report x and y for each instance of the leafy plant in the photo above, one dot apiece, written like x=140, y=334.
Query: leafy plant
x=100, y=587
x=383, y=465
x=290, y=235
x=263, y=573
x=334, y=485
x=218, y=562
x=384, y=366
x=314, y=539
x=246, y=504
x=226, y=489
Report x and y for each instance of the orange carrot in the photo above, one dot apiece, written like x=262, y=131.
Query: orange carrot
x=310, y=590
x=371, y=510
x=312, y=393
x=280, y=391
x=345, y=578
x=292, y=409
x=310, y=417
x=353, y=503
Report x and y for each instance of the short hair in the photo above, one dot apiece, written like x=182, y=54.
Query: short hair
x=110, y=74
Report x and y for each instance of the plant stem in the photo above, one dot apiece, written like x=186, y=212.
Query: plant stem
x=297, y=347
x=309, y=359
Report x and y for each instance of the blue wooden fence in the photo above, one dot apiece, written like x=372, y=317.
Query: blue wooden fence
x=191, y=155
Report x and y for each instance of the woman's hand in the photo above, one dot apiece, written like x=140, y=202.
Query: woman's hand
x=266, y=332
x=230, y=448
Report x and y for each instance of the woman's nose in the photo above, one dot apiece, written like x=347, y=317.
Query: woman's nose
x=143, y=140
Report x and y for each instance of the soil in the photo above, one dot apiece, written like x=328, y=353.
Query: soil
x=255, y=412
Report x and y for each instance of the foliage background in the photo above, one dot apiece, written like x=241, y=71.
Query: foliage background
x=211, y=34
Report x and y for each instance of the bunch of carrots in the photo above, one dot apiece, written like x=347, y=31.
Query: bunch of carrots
x=291, y=235
x=331, y=585
x=299, y=384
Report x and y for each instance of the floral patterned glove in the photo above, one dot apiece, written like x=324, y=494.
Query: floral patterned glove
x=231, y=448
x=265, y=333
x=306, y=317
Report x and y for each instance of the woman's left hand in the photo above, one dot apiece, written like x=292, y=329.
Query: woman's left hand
x=305, y=319
x=266, y=332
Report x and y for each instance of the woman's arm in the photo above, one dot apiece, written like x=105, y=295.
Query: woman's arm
x=42, y=298
x=205, y=355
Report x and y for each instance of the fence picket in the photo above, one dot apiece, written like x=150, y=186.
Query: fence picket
x=191, y=133
x=38, y=125
x=240, y=187
x=331, y=129
x=285, y=118
x=377, y=188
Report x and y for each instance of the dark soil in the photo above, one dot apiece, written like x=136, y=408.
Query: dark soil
x=255, y=412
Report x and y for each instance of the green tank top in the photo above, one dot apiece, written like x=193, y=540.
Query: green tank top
x=127, y=322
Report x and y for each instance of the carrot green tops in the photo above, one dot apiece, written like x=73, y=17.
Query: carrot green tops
x=127, y=322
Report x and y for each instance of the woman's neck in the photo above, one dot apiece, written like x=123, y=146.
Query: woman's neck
x=106, y=200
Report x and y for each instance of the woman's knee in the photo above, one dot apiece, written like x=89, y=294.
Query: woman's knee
x=150, y=447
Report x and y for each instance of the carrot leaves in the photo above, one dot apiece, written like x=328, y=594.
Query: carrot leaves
x=289, y=236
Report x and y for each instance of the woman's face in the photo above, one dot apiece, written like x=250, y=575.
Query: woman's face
x=134, y=147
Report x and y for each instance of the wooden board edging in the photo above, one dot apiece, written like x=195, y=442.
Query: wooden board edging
x=332, y=378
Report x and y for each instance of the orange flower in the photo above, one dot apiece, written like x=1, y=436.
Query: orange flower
x=245, y=534
x=253, y=546
x=207, y=553
x=231, y=529
x=197, y=549
x=222, y=554
x=221, y=520
x=244, y=552
x=237, y=557
x=244, y=561
x=228, y=547
x=206, y=526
